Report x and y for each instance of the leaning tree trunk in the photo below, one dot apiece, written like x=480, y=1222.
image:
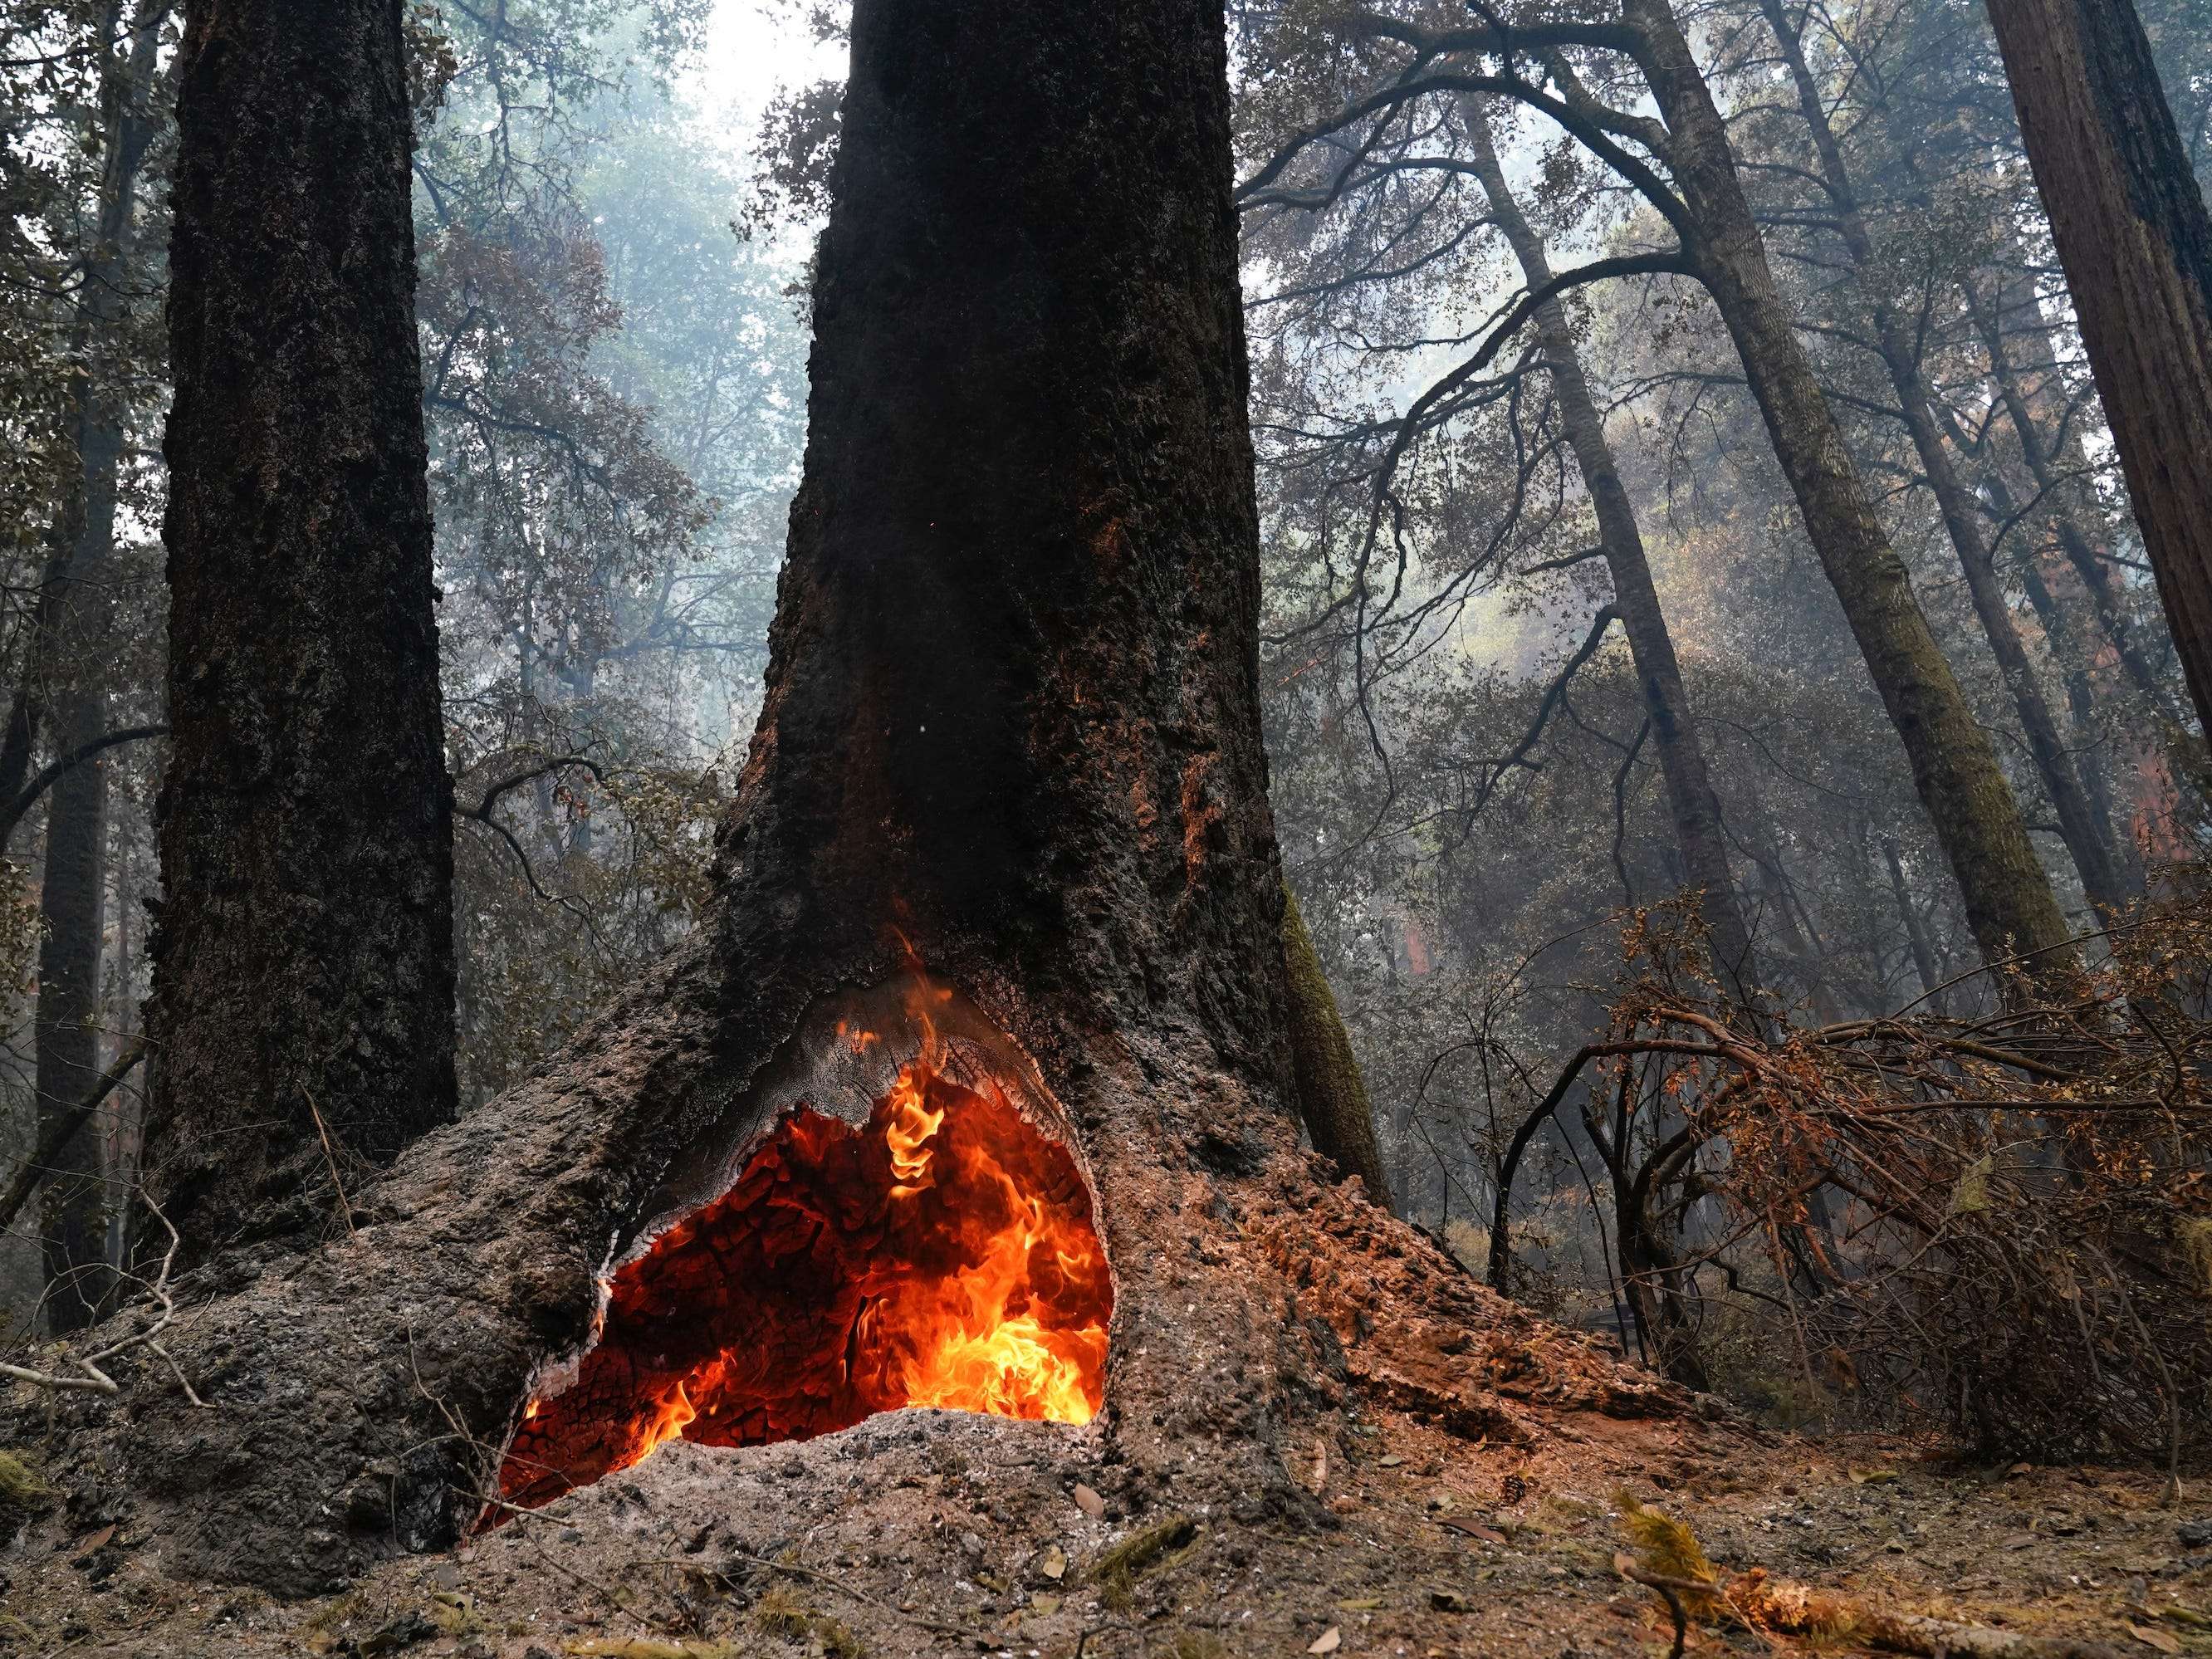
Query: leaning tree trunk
x=2135, y=237
x=2085, y=829
x=2008, y=902
x=1691, y=799
x=1008, y=771
x=303, y=973
x=1331, y=1092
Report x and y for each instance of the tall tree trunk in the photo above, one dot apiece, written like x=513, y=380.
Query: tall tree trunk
x=303, y=963
x=74, y=1214
x=2009, y=901
x=2087, y=834
x=127, y=120
x=1695, y=808
x=75, y=1206
x=2133, y=234
x=1011, y=732
x=64, y=690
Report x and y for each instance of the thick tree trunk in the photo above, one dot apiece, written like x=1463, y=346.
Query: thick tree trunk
x=1690, y=798
x=2087, y=832
x=2009, y=901
x=2134, y=235
x=1011, y=734
x=303, y=963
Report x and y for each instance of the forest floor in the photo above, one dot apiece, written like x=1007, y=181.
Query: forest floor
x=938, y=1533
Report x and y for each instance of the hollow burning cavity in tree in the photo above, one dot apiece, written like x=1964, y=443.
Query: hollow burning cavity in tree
x=903, y=1234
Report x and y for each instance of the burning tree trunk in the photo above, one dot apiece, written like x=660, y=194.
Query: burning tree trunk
x=998, y=920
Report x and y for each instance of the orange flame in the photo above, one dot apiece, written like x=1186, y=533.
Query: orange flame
x=945, y=1256
x=912, y=1123
x=674, y=1414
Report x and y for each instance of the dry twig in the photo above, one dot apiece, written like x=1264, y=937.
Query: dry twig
x=91, y=1376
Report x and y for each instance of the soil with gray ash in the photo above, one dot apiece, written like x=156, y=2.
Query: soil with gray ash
x=933, y=1533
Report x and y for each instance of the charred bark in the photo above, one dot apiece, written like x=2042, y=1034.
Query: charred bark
x=1012, y=733
x=2008, y=902
x=2136, y=240
x=303, y=959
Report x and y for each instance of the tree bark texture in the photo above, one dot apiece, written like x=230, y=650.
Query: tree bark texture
x=2136, y=240
x=2008, y=898
x=1010, y=732
x=303, y=959
x=1691, y=800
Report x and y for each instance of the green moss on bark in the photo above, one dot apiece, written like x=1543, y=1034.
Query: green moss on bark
x=1332, y=1095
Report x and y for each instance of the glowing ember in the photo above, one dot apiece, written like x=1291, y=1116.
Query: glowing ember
x=944, y=1255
